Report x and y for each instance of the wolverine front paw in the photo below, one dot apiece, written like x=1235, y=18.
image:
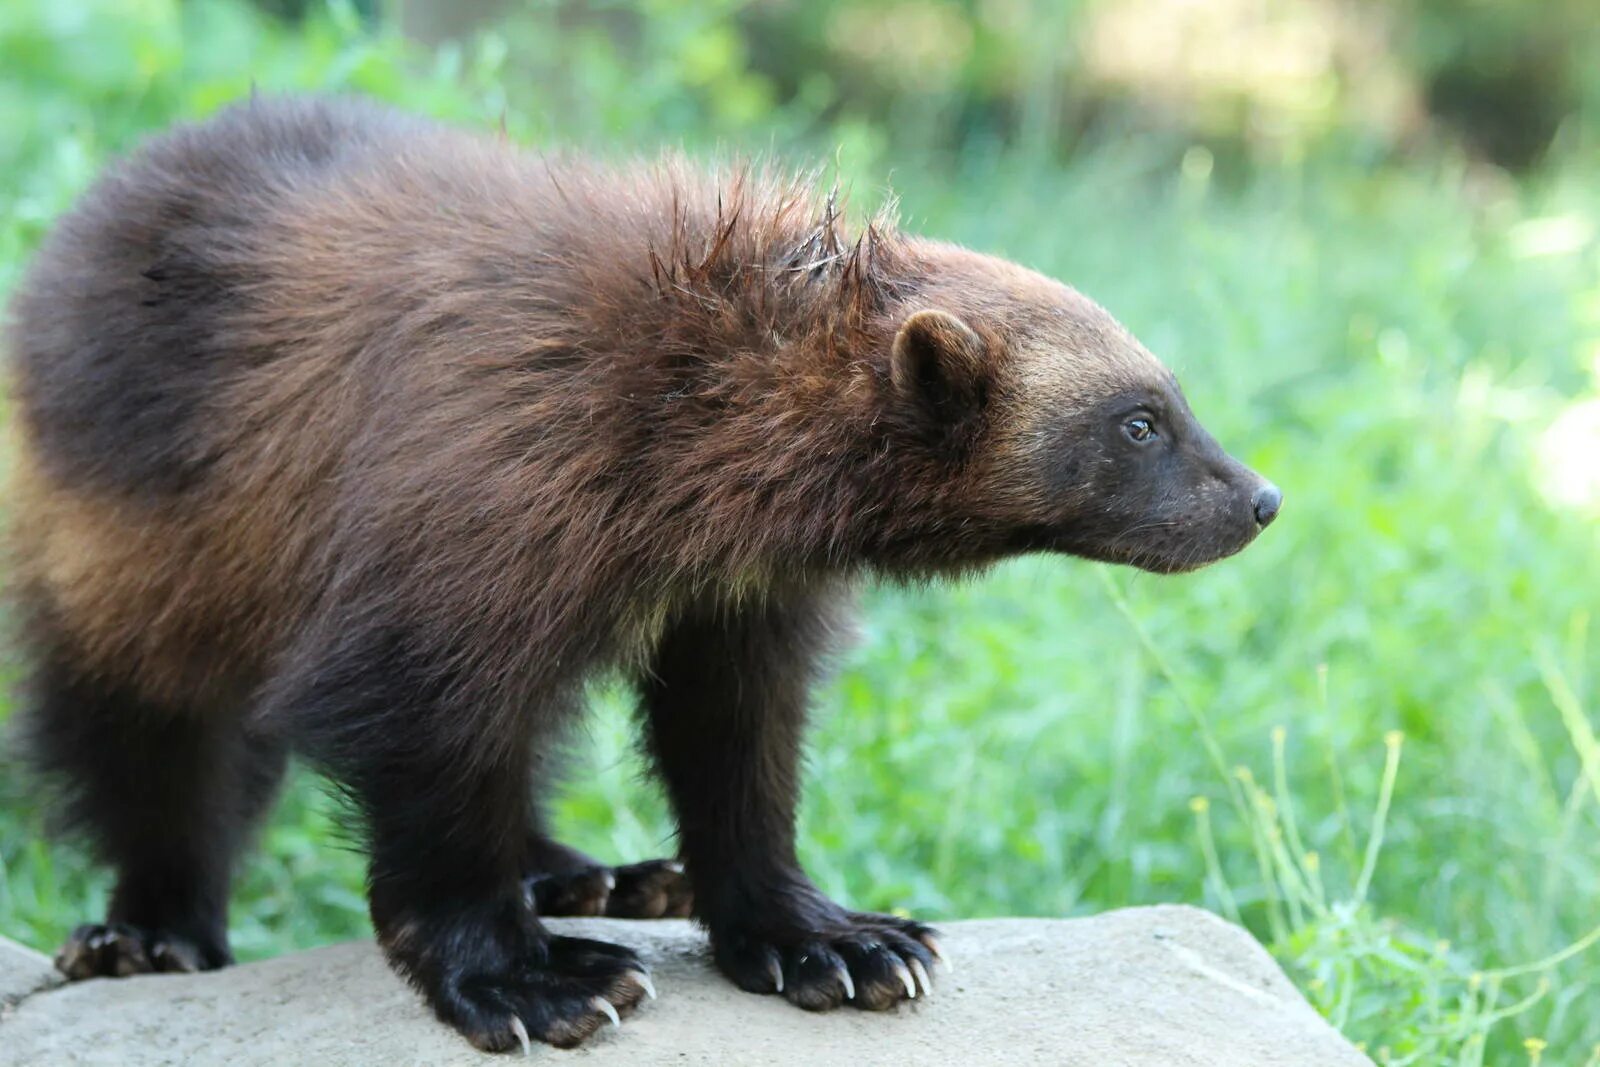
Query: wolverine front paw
x=579, y=987
x=117, y=950
x=871, y=961
x=503, y=981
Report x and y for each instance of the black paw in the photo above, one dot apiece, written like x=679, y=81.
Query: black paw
x=655, y=889
x=491, y=971
x=116, y=950
x=871, y=961
x=581, y=892
x=578, y=987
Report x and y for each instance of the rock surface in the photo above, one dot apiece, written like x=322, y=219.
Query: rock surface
x=23, y=972
x=1143, y=987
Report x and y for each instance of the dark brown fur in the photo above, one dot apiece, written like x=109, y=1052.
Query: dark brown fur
x=351, y=434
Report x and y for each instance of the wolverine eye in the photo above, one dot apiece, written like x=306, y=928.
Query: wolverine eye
x=1140, y=429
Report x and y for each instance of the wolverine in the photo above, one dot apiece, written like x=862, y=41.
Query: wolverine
x=348, y=435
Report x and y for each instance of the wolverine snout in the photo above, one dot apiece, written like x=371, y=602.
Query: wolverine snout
x=1266, y=501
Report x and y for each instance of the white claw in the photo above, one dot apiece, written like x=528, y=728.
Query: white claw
x=647, y=983
x=674, y=866
x=932, y=944
x=611, y=881
x=849, y=984
x=603, y=1006
x=922, y=976
x=522, y=1035
x=905, y=980
x=776, y=970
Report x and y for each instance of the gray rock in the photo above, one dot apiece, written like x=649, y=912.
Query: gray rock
x=1142, y=987
x=23, y=972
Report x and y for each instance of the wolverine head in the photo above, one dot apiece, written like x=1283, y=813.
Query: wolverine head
x=1072, y=436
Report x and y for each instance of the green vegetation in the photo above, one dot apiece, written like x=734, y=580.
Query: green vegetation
x=1371, y=737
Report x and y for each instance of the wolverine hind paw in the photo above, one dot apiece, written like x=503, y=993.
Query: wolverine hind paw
x=654, y=889
x=117, y=950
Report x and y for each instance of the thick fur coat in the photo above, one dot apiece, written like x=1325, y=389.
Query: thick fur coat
x=349, y=434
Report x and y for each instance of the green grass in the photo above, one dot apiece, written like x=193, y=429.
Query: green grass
x=1366, y=737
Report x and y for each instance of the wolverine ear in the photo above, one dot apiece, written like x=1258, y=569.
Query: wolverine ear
x=937, y=362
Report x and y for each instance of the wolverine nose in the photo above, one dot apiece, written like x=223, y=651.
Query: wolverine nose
x=1266, y=501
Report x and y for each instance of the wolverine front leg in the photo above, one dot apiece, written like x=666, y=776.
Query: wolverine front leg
x=440, y=768
x=725, y=699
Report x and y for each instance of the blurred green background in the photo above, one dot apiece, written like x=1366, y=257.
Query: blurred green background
x=1363, y=233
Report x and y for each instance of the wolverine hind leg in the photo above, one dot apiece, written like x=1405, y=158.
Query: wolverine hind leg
x=565, y=882
x=165, y=796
